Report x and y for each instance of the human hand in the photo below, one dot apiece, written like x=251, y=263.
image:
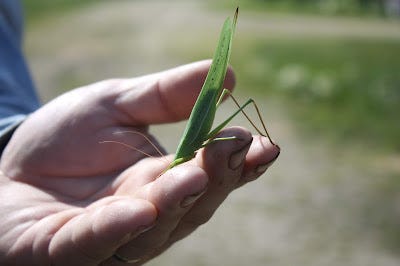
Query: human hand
x=67, y=199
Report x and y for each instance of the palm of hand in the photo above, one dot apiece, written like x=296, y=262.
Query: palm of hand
x=63, y=173
x=80, y=201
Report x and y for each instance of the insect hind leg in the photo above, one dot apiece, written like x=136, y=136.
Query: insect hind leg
x=241, y=109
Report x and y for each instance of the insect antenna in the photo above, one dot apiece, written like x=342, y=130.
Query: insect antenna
x=134, y=148
x=128, y=146
x=145, y=137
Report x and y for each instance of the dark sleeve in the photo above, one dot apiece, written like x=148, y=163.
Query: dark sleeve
x=17, y=93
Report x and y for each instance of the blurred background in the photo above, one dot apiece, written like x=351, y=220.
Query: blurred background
x=326, y=74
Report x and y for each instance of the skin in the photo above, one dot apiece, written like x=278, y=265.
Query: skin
x=69, y=200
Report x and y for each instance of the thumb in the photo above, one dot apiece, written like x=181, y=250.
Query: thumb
x=166, y=96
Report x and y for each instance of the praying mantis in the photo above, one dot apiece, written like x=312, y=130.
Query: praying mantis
x=198, y=131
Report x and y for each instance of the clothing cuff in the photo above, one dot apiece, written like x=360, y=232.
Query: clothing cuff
x=7, y=128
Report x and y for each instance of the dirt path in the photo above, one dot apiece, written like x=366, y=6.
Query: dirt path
x=317, y=205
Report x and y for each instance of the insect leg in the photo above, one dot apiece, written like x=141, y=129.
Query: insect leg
x=241, y=109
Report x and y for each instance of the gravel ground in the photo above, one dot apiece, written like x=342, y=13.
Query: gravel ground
x=318, y=205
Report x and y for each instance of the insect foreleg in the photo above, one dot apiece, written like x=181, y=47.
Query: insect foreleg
x=223, y=95
x=209, y=141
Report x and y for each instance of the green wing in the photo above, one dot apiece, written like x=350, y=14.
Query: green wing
x=203, y=112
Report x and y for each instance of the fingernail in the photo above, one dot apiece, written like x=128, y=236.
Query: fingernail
x=237, y=158
x=263, y=167
x=192, y=198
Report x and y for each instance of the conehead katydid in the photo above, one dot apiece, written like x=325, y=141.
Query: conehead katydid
x=198, y=131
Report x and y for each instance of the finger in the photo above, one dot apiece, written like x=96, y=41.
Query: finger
x=172, y=194
x=95, y=235
x=170, y=94
x=261, y=156
x=223, y=162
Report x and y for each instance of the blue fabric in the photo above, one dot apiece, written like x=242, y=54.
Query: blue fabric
x=17, y=92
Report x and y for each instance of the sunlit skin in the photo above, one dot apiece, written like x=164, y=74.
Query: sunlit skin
x=68, y=200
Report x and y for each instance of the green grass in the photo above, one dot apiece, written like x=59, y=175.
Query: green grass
x=347, y=89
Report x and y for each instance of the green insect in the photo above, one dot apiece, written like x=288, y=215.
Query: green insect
x=198, y=131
